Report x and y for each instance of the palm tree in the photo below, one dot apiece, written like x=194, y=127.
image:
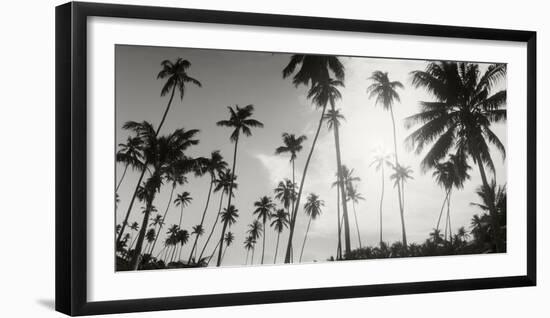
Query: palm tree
x=354, y=196
x=312, y=208
x=292, y=145
x=225, y=181
x=255, y=230
x=386, y=94
x=400, y=175
x=240, y=121
x=449, y=174
x=264, y=207
x=229, y=217
x=171, y=242
x=176, y=77
x=182, y=200
x=213, y=166
x=492, y=196
x=182, y=238
x=150, y=237
x=161, y=154
x=285, y=192
x=380, y=161
x=198, y=230
x=249, y=243
x=314, y=69
x=327, y=93
x=229, y=238
x=280, y=221
x=133, y=227
x=130, y=154
x=465, y=106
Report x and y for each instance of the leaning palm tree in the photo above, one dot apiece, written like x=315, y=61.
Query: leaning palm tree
x=280, y=221
x=314, y=69
x=213, y=166
x=198, y=230
x=467, y=102
x=380, y=161
x=264, y=209
x=225, y=181
x=312, y=208
x=229, y=238
x=292, y=145
x=176, y=78
x=182, y=238
x=229, y=217
x=240, y=121
x=130, y=154
x=385, y=92
x=161, y=154
x=354, y=196
x=255, y=230
x=249, y=243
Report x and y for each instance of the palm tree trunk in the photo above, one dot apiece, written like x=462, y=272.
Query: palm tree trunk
x=276, y=248
x=442, y=208
x=143, y=172
x=357, y=225
x=179, y=255
x=449, y=219
x=122, y=178
x=228, y=200
x=137, y=251
x=293, y=218
x=133, y=241
x=263, y=243
x=224, y=250
x=339, y=247
x=160, y=253
x=202, y=219
x=347, y=243
x=163, y=218
x=252, y=259
x=213, y=252
x=400, y=198
x=246, y=259
x=492, y=208
x=305, y=238
x=381, y=204
x=213, y=227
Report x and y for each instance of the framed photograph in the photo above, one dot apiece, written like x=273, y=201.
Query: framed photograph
x=209, y=158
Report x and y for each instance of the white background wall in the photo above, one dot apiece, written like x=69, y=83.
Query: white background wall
x=27, y=157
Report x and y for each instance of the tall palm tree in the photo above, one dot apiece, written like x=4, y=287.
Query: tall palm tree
x=264, y=208
x=171, y=241
x=213, y=166
x=292, y=145
x=280, y=221
x=225, y=181
x=314, y=69
x=312, y=208
x=161, y=154
x=385, y=92
x=354, y=196
x=176, y=78
x=249, y=243
x=467, y=102
x=229, y=217
x=285, y=192
x=229, y=238
x=130, y=154
x=380, y=161
x=240, y=121
x=182, y=200
x=399, y=176
x=255, y=230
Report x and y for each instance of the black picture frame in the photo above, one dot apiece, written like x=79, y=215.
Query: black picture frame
x=71, y=157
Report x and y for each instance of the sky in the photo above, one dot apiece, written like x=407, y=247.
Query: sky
x=232, y=78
